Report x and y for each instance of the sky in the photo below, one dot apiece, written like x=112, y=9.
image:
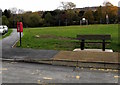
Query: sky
x=40, y=5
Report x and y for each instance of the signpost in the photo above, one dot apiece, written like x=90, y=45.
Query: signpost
x=20, y=30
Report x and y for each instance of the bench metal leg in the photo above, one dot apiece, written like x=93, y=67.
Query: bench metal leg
x=103, y=45
x=82, y=45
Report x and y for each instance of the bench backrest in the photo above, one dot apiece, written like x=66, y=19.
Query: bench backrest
x=94, y=37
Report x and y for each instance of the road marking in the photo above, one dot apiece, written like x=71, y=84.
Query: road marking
x=32, y=73
x=117, y=76
x=47, y=78
x=14, y=62
x=38, y=81
x=77, y=77
x=3, y=69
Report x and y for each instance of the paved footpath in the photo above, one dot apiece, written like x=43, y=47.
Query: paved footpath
x=18, y=53
x=87, y=56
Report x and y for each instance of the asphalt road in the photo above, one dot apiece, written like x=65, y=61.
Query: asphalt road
x=22, y=53
x=14, y=72
x=10, y=40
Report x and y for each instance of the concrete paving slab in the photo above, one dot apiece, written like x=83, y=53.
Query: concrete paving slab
x=94, y=50
x=86, y=56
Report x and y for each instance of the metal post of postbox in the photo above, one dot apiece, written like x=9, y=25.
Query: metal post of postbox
x=20, y=39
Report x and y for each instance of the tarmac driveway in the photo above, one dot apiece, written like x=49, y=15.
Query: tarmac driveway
x=9, y=41
x=9, y=52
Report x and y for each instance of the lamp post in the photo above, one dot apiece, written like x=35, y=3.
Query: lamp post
x=100, y=14
x=14, y=12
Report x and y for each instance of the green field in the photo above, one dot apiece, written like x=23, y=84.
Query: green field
x=62, y=38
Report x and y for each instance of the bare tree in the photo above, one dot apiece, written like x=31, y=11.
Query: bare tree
x=67, y=5
x=71, y=5
x=20, y=11
x=107, y=3
x=13, y=10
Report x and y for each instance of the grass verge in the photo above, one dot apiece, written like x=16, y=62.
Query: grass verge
x=62, y=38
x=8, y=33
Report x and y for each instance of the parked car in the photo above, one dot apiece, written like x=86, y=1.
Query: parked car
x=3, y=29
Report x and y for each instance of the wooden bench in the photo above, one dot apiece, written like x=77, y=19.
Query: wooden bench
x=102, y=39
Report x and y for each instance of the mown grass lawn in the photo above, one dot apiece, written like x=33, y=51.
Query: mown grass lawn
x=62, y=38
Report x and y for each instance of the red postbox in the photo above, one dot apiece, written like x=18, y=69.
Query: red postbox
x=20, y=30
x=19, y=27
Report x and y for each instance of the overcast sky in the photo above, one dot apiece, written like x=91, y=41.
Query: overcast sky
x=38, y=5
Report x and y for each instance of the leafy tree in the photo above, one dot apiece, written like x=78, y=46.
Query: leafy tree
x=100, y=15
x=49, y=19
x=114, y=14
x=57, y=19
x=7, y=13
x=71, y=16
x=5, y=20
x=34, y=20
x=30, y=19
x=81, y=13
x=10, y=22
x=13, y=21
x=111, y=11
x=89, y=16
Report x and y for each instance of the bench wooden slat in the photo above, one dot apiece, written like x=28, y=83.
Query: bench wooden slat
x=96, y=42
x=83, y=39
x=93, y=37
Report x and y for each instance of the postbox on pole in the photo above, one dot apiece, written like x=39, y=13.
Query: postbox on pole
x=20, y=30
x=19, y=27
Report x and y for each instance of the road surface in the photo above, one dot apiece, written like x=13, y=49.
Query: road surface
x=16, y=72
x=22, y=53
